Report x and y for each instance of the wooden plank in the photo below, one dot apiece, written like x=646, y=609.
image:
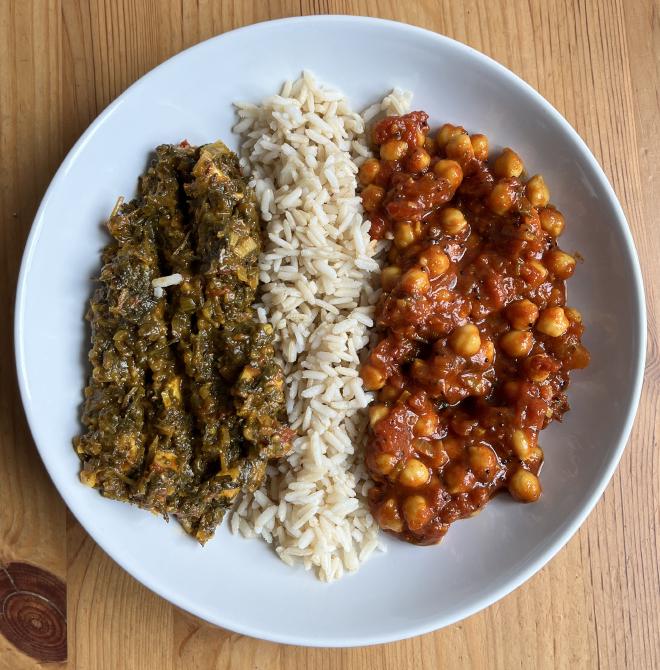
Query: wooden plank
x=31, y=512
x=641, y=24
x=114, y=621
x=597, y=604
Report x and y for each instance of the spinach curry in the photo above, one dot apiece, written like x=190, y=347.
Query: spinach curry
x=185, y=404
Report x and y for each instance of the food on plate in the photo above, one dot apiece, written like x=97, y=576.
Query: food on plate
x=392, y=327
x=303, y=147
x=185, y=404
x=477, y=342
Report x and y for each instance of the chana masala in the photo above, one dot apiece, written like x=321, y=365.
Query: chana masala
x=477, y=343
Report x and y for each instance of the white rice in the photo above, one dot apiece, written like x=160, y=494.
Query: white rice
x=159, y=283
x=303, y=148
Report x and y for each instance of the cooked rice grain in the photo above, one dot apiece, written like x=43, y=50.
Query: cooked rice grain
x=303, y=148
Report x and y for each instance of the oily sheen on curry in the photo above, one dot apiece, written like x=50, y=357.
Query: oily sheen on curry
x=477, y=342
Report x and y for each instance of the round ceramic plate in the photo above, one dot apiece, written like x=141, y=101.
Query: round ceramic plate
x=240, y=584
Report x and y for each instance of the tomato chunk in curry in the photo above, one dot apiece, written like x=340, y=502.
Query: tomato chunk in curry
x=477, y=342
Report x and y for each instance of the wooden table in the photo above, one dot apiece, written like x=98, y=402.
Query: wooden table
x=596, y=604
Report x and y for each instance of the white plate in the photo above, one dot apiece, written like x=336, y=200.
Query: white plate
x=240, y=584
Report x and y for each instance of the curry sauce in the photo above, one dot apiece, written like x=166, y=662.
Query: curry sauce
x=477, y=342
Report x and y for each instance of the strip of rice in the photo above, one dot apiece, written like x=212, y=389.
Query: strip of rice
x=303, y=148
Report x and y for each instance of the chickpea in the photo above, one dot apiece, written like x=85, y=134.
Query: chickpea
x=561, y=264
x=453, y=447
x=415, y=281
x=483, y=462
x=459, y=148
x=556, y=297
x=435, y=260
x=502, y=198
x=416, y=512
x=389, y=277
x=552, y=221
x=431, y=145
x=488, y=350
x=524, y=486
x=419, y=160
x=449, y=170
x=389, y=393
x=418, y=369
x=420, y=137
x=452, y=220
x=393, y=150
x=369, y=170
x=414, y=473
x=508, y=164
x=465, y=340
x=517, y=343
x=534, y=457
x=534, y=272
x=384, y=463
x=377, y=411
x=522, y=314
x=403, y=235
x=373, y=378
x=426, y=425
x=480, y=146
x=579, y=358
x=372, y=196
x=458, y=479
x=573, y=314
x=537, y=192
x=389, y=517
x=447, y=132
x=520, y=444
x=552, y=321
x=433, y=450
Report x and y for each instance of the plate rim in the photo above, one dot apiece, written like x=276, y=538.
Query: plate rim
x=565, y=532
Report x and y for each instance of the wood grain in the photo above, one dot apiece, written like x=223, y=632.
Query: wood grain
x=597, y=604
x=32, y=516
